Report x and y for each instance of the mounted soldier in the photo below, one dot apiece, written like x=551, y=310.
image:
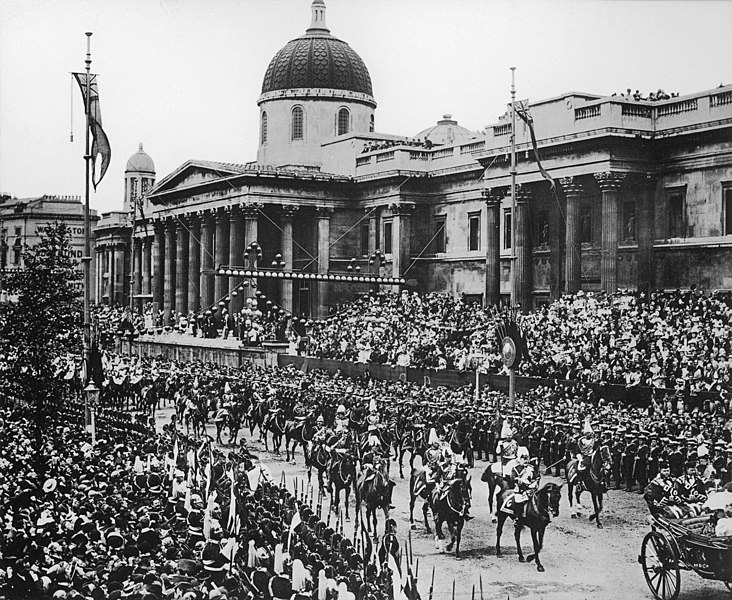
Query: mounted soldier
x=506, y=450
x=341, y=418
x=525, y=478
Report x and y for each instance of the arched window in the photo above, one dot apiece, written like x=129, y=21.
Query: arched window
x=297, y=123
x=264, y=128
x=371, y=124
x=344, y=121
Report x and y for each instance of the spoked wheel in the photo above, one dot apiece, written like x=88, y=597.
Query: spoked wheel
x=660, y=567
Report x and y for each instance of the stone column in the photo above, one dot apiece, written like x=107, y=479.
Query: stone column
x=146, y=266
x=372, y=231
x=286, y=295
x=169, y=292
x=158, y=265
x=181, y=267
x=250, y=210
x=136, y=271
x=646, y=233
x=221, y=254
x=493, y=199
x=323, y=214
x=101, y=266
x=194, y=263
x=573, y=248
x=112, y=277
x=523, y=276
x=236, y=248
x=609, y=186
x=401, y=237
x=207, y=259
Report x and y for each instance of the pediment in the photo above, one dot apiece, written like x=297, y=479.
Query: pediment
x=192, y=174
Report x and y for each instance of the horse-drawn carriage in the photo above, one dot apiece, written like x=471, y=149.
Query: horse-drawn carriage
x=674, y=545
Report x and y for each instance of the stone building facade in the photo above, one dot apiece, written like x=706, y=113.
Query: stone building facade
x=642, y=199
x=114, y=251
x=22, y=221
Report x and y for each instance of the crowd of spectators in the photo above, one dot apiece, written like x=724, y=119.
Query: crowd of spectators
x=384, y=144
x=666, y=340
x=407, y=329
x=651, y=97
x=139, y=515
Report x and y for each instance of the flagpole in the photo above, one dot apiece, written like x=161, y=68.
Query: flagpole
x=86, y=259
x=512, y=371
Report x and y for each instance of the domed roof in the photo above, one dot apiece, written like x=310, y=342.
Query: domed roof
x=317, y=60
x=447, y=131
x=140, y=162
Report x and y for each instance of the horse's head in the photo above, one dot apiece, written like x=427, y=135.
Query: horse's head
x=554, y=495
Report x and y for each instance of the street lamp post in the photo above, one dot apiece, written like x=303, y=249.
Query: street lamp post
x=91, y=398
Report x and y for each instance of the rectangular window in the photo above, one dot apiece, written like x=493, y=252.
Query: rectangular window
x=676, y=214
x=365, y=239
x=628, y=232
x=474, y=231
x=727, y=191
x=18, y=231
x=439, y=240
x=387, y=237
x=585, y=224
x=507, y=228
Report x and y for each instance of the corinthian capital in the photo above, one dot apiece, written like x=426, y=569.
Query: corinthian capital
x=609, y=181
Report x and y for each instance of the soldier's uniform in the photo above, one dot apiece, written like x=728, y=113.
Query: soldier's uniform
x=640, y=470
x=654, y=456
x=616, y=452
x=535, y=435
x=545, y=446
x=628, y=460
x=676, y=459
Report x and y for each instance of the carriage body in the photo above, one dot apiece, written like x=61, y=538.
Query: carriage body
x=674, y=545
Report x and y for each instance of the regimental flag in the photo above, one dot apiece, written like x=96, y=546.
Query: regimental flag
x=522, y=110
x=100, y=142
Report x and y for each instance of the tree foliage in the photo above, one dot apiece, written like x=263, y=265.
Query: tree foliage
x=42, y=320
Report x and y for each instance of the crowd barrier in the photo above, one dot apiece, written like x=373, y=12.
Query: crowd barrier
x=269, y=357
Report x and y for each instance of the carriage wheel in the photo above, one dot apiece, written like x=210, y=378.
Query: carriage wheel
x=660, y=567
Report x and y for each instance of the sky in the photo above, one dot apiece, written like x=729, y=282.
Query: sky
x=183, y=76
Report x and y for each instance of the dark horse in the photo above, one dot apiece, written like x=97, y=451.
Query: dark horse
x=450, y=507
x=419, y=487
x=461, y=440
x=494, y=481
x=542, y=506
x=342, y=476
x=299, y=431
x=373, y=489
x=590, y=479
x=318, y=458
x=275, y=423
x=413, y=441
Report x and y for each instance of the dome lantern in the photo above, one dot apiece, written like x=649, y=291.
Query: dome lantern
x=317, y=25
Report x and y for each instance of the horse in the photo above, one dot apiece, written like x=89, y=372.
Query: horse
x=297, y=432
x=318, y=459
x=493, y=480
x=258, y=412
x=542, y=506
x=449, y=506
x=342, y=475
x=589, y=479
x=221, y=420
x=275, y=423
x=414, y=441
x=461, y=439
x=419, y=487
x=373, y=489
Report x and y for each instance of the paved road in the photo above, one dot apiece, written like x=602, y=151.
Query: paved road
x=580, y=560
